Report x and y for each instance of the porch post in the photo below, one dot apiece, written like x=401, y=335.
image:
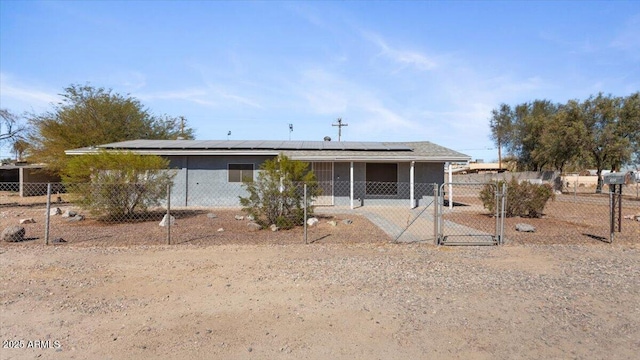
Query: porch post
x=450, y=185
x=412, y=203
x=351, y=183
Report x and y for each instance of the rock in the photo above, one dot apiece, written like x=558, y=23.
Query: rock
x=253, y=226
x=59, y=241
x=69, y=213
x=525, y=227
x=557, y=192
x=13, y=234
x=312, y=221
x=55, y=211
x=347, y=221
x=27, y=221
x=221, y=230
x=212, y=216
x=170, y=221
x=250, y=217
x=332, y=223
x=274, y=228
x=76, y=218
x=239, y=217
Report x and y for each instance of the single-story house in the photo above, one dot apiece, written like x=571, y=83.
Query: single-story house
x=26, y=179
x=210, y=172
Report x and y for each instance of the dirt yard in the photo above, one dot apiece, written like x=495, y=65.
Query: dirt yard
x=117, y=291
x=370, y=300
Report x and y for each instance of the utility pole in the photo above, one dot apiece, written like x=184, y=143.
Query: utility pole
x=182, y=127
x=339, y=125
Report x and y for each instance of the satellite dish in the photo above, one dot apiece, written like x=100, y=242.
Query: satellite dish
x=327, y=138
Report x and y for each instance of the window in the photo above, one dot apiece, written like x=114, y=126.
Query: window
x=240, y=172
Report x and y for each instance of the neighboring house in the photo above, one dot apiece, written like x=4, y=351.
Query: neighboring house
x=210, y=172
x=27, y=179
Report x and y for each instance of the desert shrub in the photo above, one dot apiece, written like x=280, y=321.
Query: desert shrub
x=524, y=199
x=276, y=196
x=117, y=185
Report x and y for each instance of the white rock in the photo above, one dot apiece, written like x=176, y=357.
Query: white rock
x=525, y=227
x=312, y=221
x=69, y=213
x=165, y=221
x=253, y=226
x=239, y=217
x=27, y=221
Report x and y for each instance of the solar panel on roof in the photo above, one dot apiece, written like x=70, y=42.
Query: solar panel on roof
x=258, y=145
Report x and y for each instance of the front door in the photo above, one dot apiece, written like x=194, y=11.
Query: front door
x=324, y=175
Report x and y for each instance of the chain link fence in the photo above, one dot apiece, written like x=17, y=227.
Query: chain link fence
x=400, y=212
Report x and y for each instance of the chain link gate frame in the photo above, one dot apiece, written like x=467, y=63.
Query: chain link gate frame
x=447, y=231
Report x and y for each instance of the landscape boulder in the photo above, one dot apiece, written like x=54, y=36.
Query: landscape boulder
x=525, y=227
x=69, y=213
x=13, y=234
x=168, y=220
x=27, y=221
x=239, y=217
x=347, y=221
x=75, y=218
x=274, y=227
x=55, y=211
x=312, y=221
x=253, y=226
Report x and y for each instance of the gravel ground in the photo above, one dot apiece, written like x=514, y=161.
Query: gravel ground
x=324, y=300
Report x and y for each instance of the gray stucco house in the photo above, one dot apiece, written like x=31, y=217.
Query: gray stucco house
x=210, y=172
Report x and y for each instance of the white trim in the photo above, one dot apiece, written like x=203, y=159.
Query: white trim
x=351, y=183
x=412, y=203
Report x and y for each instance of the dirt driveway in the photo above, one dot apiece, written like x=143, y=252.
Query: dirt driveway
x=371, y=300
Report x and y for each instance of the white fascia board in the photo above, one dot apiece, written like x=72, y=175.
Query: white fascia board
x=379, y=159
x=180, y=152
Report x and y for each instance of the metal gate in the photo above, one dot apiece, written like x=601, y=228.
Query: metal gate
x=462, y=219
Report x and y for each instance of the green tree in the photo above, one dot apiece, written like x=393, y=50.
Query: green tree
x=276, y=196
x=562, y=139
x=501, y=125
x=607, y=141
x=118, y=185
x=532, y=119
x=630, y=123
x=90, y=116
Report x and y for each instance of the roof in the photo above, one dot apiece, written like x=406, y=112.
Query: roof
x=298, y=150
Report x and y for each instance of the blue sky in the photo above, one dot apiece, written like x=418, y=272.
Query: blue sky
x=393, y=71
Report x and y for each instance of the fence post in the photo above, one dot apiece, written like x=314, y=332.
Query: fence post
x=48, y=215
x=502, y=211
x=168, y=214
x=436, y=204
x=305, y=213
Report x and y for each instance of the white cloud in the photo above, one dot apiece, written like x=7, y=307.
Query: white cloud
x=205, y=96
x=12, y=91
x=405, y=58
x=628, y=39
